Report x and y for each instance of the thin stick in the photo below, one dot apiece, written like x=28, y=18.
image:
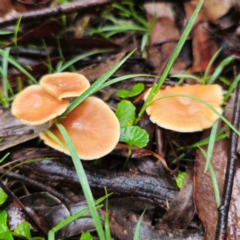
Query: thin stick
x=54, y=11
x=221, y=233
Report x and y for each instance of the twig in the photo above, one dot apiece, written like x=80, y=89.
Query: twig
x=221, y=233
x=36, y=184
x=37, y=221
x=54, y=11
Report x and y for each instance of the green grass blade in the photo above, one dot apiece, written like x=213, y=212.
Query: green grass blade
x=186, y=75
x=138, y=227
x=205, y=76
x=219, y=69
x=212, y=139
x=16, y=31
x=171, y=60
x=18, y=66
x=83, y=181
x=54, y=137
x=214, y=180
x=221, y=134
x=106, y=223
x=122, y=78
x=80, y=57
x=5, y=73
x=231, y=88
x=96, y=85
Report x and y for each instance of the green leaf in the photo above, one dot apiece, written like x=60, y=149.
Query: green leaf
x=23, y=229
x=180, y=179
x=126, y=113
x=4, y=230
x=6, y=235
x=3, y=196
x=86, y=236
x=137, y=89
x=134, y=135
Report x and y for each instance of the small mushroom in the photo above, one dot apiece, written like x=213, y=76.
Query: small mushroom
x=183, y=114
x=64, y=85
x=34, y=106
x=93, y=127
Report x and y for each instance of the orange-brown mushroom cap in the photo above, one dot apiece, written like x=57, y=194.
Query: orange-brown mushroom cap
x=93, y=128
x=66, y=84
x=183, y=114
x=34, y=106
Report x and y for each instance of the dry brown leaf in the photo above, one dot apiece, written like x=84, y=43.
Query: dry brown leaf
x=204, y=198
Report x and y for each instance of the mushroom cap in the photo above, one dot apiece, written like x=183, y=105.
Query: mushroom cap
x=93, y=128
x=34, y=106
x=184, y=114
x=63, y=85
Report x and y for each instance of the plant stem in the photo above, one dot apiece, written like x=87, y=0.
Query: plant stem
x=128, y=156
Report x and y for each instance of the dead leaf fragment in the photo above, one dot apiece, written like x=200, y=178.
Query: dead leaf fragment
x=204, y=198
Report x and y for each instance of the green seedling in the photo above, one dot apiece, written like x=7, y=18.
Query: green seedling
x=180, y=179
x=136, y=90
x=131, y=135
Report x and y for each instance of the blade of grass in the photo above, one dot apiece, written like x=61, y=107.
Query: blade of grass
x=231, y=88
x=138, y=227
x=54, y=137
x=205, y=76
x=122, y=78
x=83, y=181
x=5, y=73
x=219, y=69
x=214, y=180
x=18, y=66
x=80, y=57
x=106, y=223
x=16, y=30
x=75, y=216
x=212, y=139
x=171, y=60
x=220, y=135
x=186, y=75
x=95, y=86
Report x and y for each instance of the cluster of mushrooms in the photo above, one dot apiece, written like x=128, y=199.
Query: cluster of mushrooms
x=94, y=128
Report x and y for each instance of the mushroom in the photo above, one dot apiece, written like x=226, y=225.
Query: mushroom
x=93, y=127
x=63, y=85
x=34, y=106
x=183, y=114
